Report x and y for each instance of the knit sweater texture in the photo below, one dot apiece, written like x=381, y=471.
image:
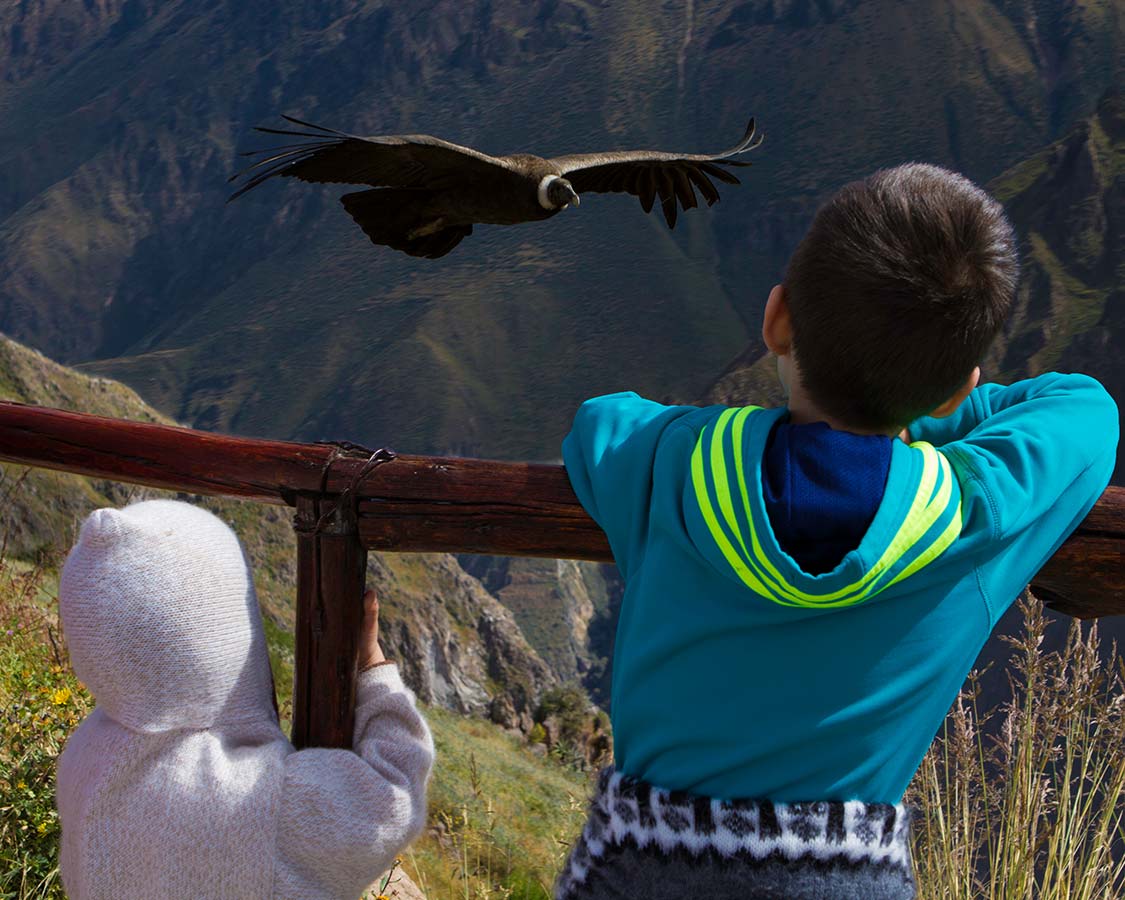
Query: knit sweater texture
x=180, y=783
x=645, y=842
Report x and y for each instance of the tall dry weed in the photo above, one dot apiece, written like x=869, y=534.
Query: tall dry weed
x=1027, y=800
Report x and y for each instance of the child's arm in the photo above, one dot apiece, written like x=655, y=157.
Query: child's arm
x=609, y=455
x=1052, y=395
x=345, y=815
x=1031, y=443
x=1032, y=458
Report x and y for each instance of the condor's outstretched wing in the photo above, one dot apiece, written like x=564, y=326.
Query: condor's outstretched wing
x=646, y=173
x=390, y=160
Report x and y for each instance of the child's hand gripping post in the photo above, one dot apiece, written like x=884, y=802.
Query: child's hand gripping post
x=370, y=653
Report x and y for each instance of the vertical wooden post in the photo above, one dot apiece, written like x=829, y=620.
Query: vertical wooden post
x=331, y=565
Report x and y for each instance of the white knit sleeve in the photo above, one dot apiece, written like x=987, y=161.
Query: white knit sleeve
x=345, y=815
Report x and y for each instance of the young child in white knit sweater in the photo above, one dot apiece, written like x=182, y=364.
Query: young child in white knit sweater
x=180, y=784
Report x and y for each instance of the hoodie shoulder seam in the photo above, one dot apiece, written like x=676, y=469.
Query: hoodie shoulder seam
x=969, y=470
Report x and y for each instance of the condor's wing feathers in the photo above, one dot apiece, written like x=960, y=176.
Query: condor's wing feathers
x=648, y=173
x=390, y=160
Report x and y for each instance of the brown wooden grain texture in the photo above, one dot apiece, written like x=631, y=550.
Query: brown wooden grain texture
x=1085, y=578
x=331, y=565
x=418, y=503
x=161, y=456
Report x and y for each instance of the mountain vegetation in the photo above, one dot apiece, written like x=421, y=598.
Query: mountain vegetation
x=275, y=317
x=458, y=646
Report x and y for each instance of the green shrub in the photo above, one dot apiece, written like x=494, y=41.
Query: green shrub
x=41, y=702
x=570, y=706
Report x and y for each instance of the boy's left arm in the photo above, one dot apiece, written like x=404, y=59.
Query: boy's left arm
x=609, y=455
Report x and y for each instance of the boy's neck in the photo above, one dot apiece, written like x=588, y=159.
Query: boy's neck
x=803, y=411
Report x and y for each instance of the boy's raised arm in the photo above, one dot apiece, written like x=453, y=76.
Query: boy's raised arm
x=1050, y=392
x=1031, y=446
x=609, y=455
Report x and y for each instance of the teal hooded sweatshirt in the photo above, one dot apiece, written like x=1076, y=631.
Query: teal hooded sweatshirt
x=737, y=674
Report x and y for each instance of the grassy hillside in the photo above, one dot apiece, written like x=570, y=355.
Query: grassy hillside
x=493, y=793
x=501, y=814
x=509, y=814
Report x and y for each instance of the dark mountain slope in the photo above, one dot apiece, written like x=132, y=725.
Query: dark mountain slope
x=1067, y=204
x=119, y=123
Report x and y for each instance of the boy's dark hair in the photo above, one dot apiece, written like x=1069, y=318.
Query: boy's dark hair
x=896, y=291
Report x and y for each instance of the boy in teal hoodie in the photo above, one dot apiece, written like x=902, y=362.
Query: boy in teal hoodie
x=807, y=587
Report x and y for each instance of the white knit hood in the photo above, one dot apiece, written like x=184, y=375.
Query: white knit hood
x=180, y=784
x=162, y=620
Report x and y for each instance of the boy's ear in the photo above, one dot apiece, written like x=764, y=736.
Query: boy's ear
x=950, y=405
x=777, y=327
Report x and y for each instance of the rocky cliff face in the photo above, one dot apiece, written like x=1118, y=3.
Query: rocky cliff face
x=560, y=605
x=457, y=645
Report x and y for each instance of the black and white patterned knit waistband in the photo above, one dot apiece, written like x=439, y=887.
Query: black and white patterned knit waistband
x=628, y=813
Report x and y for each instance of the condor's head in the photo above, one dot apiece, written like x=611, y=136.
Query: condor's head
x=557, y=193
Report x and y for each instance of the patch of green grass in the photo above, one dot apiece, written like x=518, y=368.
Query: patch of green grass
x=1081, y=306
x=41, y=702
x=501, y=816
x=1109, y=154
x=1019, y=178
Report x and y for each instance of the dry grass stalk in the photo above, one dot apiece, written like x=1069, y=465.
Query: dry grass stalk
x=1028, y=800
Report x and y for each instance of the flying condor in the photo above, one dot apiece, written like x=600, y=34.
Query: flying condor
x=428, y=193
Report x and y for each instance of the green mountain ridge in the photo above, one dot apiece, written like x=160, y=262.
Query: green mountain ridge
x=273, y=316
x=1067, y=205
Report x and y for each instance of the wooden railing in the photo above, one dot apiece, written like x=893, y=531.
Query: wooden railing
x=350, y=500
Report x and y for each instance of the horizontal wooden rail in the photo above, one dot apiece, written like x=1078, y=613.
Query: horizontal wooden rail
x=420, y=503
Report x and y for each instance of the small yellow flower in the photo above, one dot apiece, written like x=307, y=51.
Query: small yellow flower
x=60, y=696
x=42, y=829
x=21, y=785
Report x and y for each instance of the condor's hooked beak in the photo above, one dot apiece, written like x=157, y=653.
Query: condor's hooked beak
x=557, y=193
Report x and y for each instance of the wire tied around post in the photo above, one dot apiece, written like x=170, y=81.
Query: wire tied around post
x=345, y=500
